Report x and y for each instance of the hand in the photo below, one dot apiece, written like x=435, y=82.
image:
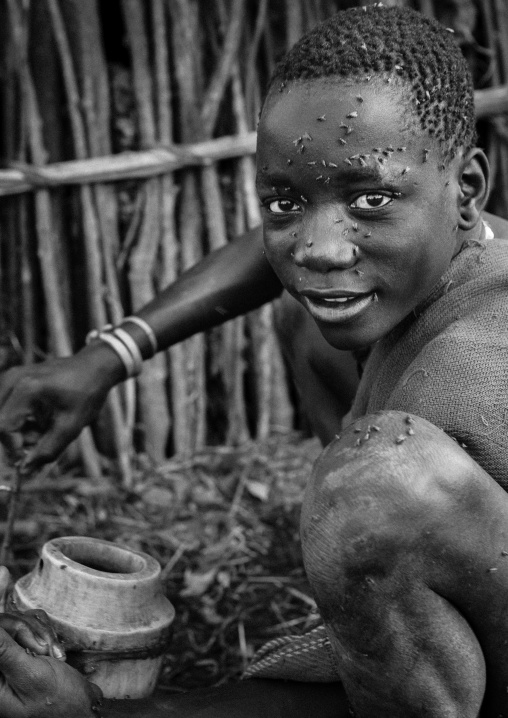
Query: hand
x=43, y=407
x=32, y=629
x=42, y=687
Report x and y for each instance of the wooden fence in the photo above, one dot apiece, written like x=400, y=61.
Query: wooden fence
x=128, y=138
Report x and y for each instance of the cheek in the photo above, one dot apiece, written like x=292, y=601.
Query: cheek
x=279, y=249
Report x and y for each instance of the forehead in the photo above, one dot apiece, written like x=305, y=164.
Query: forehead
x=340, y=112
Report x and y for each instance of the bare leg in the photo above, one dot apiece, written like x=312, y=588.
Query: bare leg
x=405, y=542
x=326, y=378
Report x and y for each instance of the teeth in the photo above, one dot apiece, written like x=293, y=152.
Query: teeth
x=341, y=300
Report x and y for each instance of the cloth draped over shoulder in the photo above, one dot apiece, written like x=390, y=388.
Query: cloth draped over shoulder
x=448, y=363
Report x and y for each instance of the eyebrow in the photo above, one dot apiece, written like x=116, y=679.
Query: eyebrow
x=346, y=173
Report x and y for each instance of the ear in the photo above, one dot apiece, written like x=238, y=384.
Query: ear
x=474, y=182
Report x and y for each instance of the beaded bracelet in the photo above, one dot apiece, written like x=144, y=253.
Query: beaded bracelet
x=147, y=330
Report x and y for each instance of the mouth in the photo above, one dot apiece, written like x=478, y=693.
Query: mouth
x=339, y=307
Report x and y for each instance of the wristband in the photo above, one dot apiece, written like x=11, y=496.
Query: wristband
x=147, y=330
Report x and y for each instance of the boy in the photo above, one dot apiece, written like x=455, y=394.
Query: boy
x=372, y=192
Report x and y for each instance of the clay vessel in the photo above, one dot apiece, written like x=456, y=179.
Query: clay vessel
x=106, y=604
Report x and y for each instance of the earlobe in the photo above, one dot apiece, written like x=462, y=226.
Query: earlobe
x=474, y=184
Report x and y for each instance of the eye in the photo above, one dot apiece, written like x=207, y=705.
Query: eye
x=282, y=206
x=372, y=200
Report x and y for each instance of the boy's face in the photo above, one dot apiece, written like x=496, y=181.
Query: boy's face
x=359, y=218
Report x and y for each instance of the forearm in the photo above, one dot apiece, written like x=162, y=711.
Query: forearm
x=227, y=283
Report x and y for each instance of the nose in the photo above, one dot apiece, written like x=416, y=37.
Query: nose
x=326, y=242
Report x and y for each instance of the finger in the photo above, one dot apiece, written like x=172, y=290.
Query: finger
x=96, y=692
x=15, y=414
x=16, y=422
x=40, y=623
x=24, y=634
x=51, y=443
x=14, y=661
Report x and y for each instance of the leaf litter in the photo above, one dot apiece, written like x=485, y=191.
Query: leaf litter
x=224, y=525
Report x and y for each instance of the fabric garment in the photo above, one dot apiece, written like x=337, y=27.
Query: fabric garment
x=448, y=363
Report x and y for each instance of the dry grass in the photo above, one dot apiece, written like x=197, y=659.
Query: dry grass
x=224, y=526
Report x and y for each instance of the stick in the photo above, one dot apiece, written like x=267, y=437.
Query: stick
x=11, y=515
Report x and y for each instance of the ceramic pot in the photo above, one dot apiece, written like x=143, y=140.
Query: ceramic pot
x=107, y=605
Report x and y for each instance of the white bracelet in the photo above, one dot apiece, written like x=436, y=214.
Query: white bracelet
x=147, y=330
x=131, y=345
x=130, y=365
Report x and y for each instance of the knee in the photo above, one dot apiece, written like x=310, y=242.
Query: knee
x=376, y=492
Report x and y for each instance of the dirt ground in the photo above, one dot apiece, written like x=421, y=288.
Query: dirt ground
x=223, y=524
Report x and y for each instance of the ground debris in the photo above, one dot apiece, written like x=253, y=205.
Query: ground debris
x=223, y=523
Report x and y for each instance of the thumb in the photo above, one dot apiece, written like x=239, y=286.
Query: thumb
x=13, y=659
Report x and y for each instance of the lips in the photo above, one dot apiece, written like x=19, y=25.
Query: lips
x=337, y=306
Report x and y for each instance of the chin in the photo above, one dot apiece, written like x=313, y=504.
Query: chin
x=347, y=340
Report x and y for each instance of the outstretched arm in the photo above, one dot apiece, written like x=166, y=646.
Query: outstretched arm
x=56, y=399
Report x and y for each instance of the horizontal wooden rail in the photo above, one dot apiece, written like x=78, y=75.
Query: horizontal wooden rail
x=126, y=165
x=160, y=160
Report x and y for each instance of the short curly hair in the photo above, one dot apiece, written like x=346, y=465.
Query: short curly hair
x=400, y=43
